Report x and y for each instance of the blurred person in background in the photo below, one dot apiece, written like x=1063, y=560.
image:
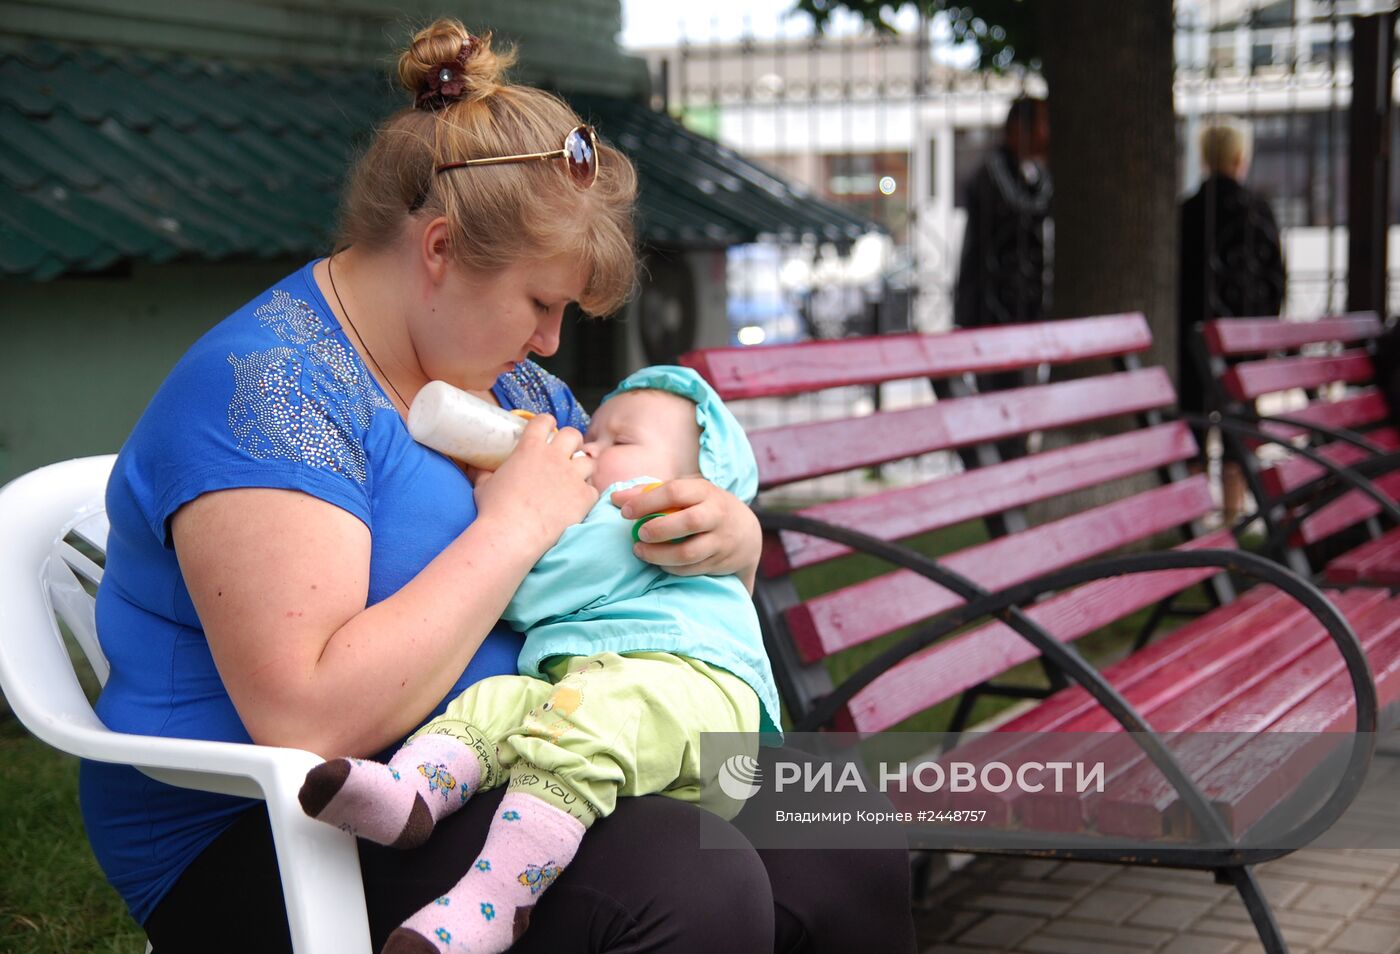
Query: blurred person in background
x=1001, y=275
x=1231, y=267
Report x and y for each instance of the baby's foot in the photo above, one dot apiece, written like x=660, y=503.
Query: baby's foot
x=529, y=845
x=396, y=804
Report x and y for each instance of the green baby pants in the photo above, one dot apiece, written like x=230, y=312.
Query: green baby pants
x=602, y=726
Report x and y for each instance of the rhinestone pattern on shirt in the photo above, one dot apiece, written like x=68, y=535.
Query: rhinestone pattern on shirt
x=303, y=404
x=530, y=387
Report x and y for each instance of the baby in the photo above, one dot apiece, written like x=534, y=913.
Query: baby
x=624, y=666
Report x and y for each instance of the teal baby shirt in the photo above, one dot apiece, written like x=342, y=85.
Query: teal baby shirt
x=591, y=594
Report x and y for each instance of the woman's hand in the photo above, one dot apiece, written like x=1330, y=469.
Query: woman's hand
x=542, y=488
x=720, y=533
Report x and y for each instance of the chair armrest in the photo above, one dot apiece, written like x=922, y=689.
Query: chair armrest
x=319, y=865
x=1004, y=606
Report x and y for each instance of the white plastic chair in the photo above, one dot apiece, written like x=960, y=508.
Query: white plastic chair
x=41, y=582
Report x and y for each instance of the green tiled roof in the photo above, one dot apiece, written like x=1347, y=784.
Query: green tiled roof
x=110, y=157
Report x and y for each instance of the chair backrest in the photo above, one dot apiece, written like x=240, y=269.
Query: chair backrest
x=1325, y=366
x=803, y=632
x=53, y=535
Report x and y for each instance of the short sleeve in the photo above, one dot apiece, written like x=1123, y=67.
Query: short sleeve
x=530, y=387
x=270, y=399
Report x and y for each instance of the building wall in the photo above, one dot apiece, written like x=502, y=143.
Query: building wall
x=83, y=356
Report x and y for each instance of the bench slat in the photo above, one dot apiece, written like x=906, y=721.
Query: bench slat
x=1281, y=632
x=1353, y=411
x=1141, y=802
x=1297, y=470
x=853, y=614
x=965, y=660
x=1375, y=561
x=1347, y=511
x=775, y=370
x=1250, y=379
x=1181, y=712
x=1150, y=678
x=1362, y=409
x=1192, y=647
x=901, y=513
x=802, y=451
x=1236, y=336
x=1271, y=765
x=1290, y=655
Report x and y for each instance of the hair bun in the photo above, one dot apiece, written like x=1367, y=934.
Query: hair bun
x=444, y=63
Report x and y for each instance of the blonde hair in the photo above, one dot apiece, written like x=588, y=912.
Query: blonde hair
x=501, y=214
x=1223, y=146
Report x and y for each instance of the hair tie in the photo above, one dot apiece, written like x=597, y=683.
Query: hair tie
x=446, y=82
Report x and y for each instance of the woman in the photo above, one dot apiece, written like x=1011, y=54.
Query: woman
x=286, y=566
x=1232, y=266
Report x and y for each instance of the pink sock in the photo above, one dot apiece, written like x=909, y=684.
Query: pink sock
x=529, y=844
x=396, y=804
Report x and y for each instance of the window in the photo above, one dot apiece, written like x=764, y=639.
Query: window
x=873, y=184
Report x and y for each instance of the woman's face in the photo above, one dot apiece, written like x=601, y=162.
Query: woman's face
x=475, y=326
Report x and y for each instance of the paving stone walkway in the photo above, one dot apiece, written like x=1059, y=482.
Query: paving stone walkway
x=1327, y=900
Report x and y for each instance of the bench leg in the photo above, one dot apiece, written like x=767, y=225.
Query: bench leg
x=927, y=870
x=1154, y=620
x=1257, y=905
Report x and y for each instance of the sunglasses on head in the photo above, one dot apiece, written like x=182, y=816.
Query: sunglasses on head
x=580, y=152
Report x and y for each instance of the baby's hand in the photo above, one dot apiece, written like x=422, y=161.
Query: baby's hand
x=637, y=526
x=717, y=533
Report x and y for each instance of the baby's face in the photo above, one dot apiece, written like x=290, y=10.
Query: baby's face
x=651, y=433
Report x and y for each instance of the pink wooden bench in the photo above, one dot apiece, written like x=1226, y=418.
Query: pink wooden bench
x=1330, y=360
x=1250, y=667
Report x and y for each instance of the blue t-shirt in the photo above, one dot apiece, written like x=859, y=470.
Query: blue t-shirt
x=272, y=396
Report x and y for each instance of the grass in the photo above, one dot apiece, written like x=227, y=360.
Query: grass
x=53, y=897
x=55, y=900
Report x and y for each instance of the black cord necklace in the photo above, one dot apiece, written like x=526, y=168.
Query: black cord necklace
x=363, y=344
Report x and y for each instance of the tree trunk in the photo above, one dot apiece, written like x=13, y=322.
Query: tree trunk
x=1108, y=65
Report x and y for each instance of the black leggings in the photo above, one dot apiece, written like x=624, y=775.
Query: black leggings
x=640, y=882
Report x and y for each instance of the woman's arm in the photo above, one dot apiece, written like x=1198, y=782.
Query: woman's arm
x=721, y=534
x=280, y=579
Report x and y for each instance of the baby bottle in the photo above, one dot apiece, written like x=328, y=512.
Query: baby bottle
x=464, y=427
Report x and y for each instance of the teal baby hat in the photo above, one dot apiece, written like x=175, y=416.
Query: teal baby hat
x=726, y=459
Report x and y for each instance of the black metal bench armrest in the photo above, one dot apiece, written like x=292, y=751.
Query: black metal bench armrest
x=1240, y=413
x=1342, y=434
x=1350, y=476
x=1004, y=605
x=1300, y=503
